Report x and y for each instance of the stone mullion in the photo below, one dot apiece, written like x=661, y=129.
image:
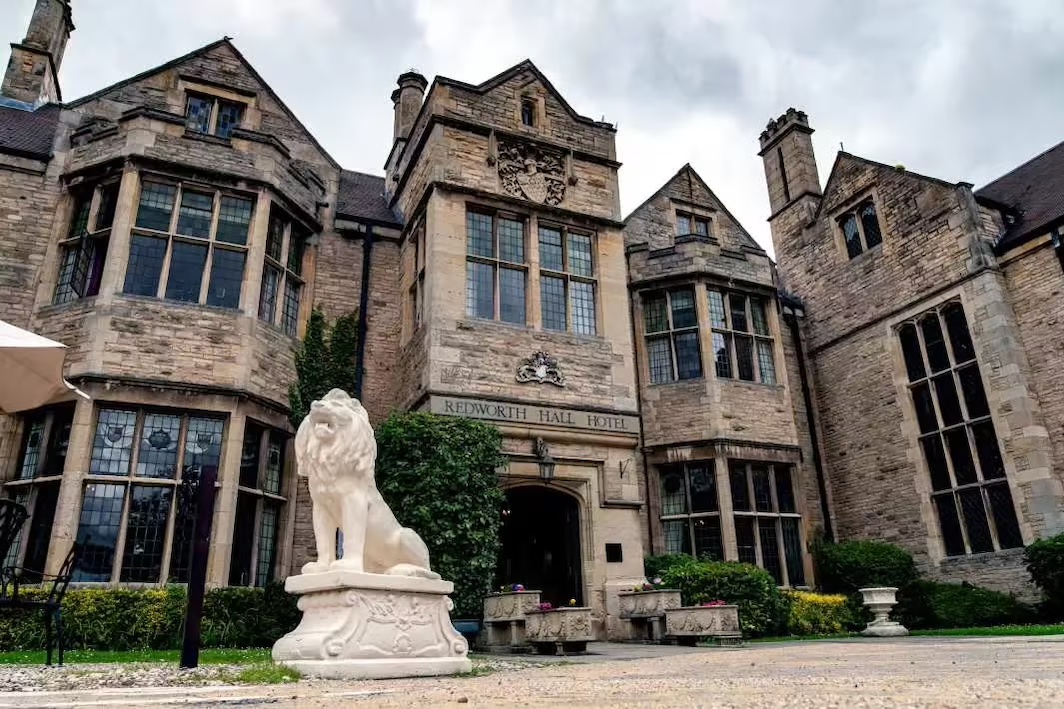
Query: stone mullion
x=114, y=271
x=256, y=254
x=68, y=501
x=727, y=512
x=222, y=529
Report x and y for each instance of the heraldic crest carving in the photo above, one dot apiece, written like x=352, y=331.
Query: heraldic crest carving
x=540, y=368
x=532, y=172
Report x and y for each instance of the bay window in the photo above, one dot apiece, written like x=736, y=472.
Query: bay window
x=670, y=322
x=282, y=272
x=742, y=340
x=83, y=253
x=260, y=502
x=189, y=243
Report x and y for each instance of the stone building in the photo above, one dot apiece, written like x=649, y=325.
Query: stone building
x=933, y=328
x=660, y=384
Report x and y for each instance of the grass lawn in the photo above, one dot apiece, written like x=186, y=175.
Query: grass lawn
x=213, y=656
x=997, y=631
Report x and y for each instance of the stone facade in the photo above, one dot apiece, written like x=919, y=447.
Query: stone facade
x=661, y=384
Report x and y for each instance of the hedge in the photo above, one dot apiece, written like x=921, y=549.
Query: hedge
x=762, y=606
x=655, y=566
x=153, y=619
x=932, y=604
x=847, y=567
x=1045, y=563
x=437, y=473
x=818, y=613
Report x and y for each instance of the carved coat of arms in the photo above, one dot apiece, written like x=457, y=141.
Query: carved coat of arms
x=540, y=368
x=531, y=172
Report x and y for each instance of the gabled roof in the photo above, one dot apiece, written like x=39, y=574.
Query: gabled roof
x=28, y=133
x=690, y=173
x=225, y=41
x=516, y=69
x=1033, y=193
x=361, y=196
x=843, y=156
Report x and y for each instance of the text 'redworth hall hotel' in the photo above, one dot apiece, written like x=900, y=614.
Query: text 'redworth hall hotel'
x=896, y=374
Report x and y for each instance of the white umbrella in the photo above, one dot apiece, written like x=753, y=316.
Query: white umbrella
x=31, y=371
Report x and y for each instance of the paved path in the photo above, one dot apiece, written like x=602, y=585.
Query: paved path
x=858, y=674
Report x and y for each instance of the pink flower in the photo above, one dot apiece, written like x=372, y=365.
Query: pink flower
x=714, y=604
x=544, y=606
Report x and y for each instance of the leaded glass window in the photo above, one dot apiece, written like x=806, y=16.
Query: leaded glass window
x=670, y=325
x=496, y=268
x=690, y=511
x=743, y=347
x=969, y=488
x=281, y=294
x=567, y=280
x=860, y=228
x=212, y=115
x=768, y=525
x=83, y=252
x=260, y=502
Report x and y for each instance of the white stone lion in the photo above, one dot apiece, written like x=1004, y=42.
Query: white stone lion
x=336, y=451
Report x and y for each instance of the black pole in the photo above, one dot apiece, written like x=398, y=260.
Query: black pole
x=197, y=574
x=363, y=312
x=807, y=396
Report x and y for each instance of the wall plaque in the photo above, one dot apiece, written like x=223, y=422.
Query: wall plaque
x=533, y=415
x=540, y=368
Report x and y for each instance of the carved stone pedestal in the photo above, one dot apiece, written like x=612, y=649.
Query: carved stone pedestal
x=643, y=612
x=568, y=628
x=504, y=619
x=372, y=626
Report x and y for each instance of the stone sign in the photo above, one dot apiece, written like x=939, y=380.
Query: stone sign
x=532, y=415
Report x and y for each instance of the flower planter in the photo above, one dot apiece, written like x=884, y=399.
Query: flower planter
x=570, y=628
x=504, y=618
x=689, y=623
x=880, y=601
x=643, y=612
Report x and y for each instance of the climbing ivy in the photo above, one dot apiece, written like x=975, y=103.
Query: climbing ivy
x=437, y=473
x=325, y=360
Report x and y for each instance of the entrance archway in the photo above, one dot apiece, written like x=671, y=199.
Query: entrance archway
x=541, y=543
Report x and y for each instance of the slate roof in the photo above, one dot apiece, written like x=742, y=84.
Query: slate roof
x=28, y=133
x=1033, y=193
x=361, y=196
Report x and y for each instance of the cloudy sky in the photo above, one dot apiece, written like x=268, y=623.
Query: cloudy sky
x=958, y=89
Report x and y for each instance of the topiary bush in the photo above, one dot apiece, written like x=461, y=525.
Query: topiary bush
x=153, y=619
x=655, y=566
x=932, y=604
x=437, y=473
x=818, y=613
x=762, y=607
x=846, y=567
x=1045, y=563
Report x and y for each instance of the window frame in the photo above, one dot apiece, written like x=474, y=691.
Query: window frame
x=693, y=221
x=689, y=515
x=28, y=487
x=210, y=241
x=263, y=498
x=967, y=424
x=418, y=260
x=290, y=229
x=216, y=103
x=131, y=479
x=532, y=106
x=854, y=212
x=567, y=275
x=497, y=263
x=90, y=242
x=730, y=335
x=747, y=468
x=671, y=333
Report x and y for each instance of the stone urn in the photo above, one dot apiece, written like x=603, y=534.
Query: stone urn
x=571, y=628
x=880, y=601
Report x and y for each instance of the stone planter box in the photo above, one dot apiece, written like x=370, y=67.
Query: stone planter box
x=689, y=623
x=569, y=628
x=504, y=618
x=643, y=612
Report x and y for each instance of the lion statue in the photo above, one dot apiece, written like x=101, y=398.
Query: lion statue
x=336, y=451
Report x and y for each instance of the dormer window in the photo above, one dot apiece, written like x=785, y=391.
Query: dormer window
x=691, y=224
x=528, y=112
x=860, y=228
x=212, y=116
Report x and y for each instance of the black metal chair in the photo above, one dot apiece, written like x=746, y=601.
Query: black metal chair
x=12, y=517
x=52, y=605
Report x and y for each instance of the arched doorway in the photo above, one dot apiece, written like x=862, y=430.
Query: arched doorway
x=541, y=543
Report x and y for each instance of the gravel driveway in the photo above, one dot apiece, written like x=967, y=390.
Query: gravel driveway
x=907, y=672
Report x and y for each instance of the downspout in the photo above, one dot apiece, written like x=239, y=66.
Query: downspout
x=363, y=312
x=807, y=397
x=639, y=410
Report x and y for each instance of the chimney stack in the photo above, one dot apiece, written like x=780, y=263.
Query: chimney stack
x=407, y=100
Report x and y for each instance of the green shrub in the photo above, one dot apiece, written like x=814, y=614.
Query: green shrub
x=931, y=604
x=1045, y=563
x=848, y=566
x=437, y=473
x=762, y=607
x=818, y=613
x=655, y=566
x=153, y=619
